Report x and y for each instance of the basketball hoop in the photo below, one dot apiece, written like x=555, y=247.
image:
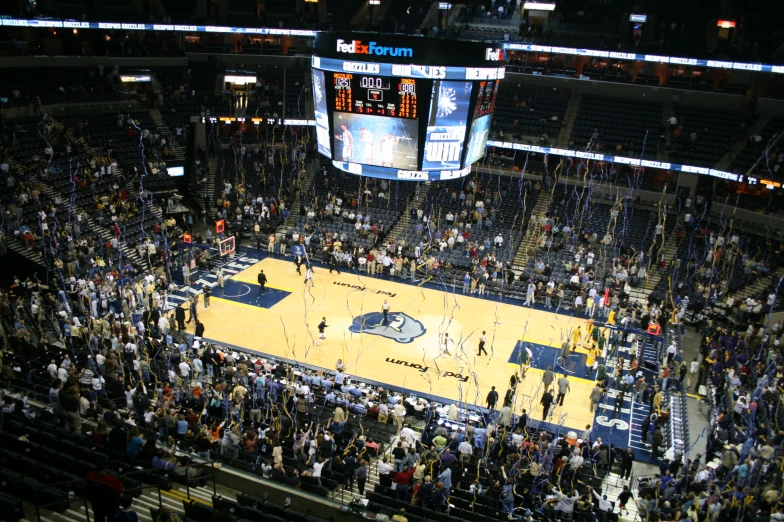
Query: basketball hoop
x=226, y=246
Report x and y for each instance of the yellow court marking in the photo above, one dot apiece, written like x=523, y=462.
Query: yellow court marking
x=180, y=496
x=556, y=371
x=237, y=303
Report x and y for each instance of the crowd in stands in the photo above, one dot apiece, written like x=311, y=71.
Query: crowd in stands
x=112, y=353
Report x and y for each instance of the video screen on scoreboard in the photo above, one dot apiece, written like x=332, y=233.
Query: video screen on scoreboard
x=477, y=139
x=377, y=95
x=446, y=125
x=486, y=98
x=320, y=109
x=376, y=140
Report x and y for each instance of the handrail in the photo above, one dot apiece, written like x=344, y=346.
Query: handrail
x=130, y=474
x=764, y=154
x=635, y=484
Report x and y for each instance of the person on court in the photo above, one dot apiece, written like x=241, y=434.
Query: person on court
x=321, y=327
x=525, y=359
x=566, y=351
x=309, y=275
x=221, y=277
x=482, y=344
x=387, y=146
x=576, y=335
x=298, y=264
x=563, y=389
x=447, y=345
x=262, y=279
x=347, y=139
x=333, y=262
x=385, y=310
x=546, y=402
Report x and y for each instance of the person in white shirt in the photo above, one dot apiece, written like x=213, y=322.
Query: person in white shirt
x=671, y=351
x=52, y=369
x=62, y=373
x=447, y=344
x=466, y=450
x=400, y=414
x=604, y=504
x=185, y=371
x=453, y=412
x=385, y=468
x=409, y=435
x=317, y=467
x=694, y=367
x=163, y=325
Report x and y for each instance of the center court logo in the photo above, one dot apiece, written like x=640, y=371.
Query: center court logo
x=359, y=47
x=401, y=328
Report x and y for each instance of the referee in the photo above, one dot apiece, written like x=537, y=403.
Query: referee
x=385, y=309
x=262, y=279
x=482, y=344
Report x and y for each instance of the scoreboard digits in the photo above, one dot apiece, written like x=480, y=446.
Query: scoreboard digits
x=375, y=95
x=408, y=98
x=485, y=101
x=344, y=99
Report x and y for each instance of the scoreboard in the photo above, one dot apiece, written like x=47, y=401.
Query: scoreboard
x=379, y=95
x=404, y=107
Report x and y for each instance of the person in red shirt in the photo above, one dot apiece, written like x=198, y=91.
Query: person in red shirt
x=402, y=480
x=192, y=419
x=104, y=506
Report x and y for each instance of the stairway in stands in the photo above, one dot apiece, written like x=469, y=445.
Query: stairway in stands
x=166, y=132
x=669, y=250
x=104, y=231
x=738, y=146
x=758, y=284
x=17, y=243
x=666, y=113
x=142, y=505
x=569, y=118
x=209, y=191
x=528, y=242
x=306, y=185
x=405, y=217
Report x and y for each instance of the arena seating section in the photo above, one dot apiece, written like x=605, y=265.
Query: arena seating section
x=534, y=118
x=55, y=454
x=618, y=122
x=384, y=212
x=715, y=132
x=753, y=151
x=513, y=209
x=78, y=86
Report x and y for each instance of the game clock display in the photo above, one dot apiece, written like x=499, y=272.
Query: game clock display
x=376, y=95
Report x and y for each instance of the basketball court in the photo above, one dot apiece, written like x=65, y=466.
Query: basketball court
x=406, y=352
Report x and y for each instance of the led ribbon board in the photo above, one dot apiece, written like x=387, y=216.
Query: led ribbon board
x=653, y=58
x=109, y=26
x=623, y=160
